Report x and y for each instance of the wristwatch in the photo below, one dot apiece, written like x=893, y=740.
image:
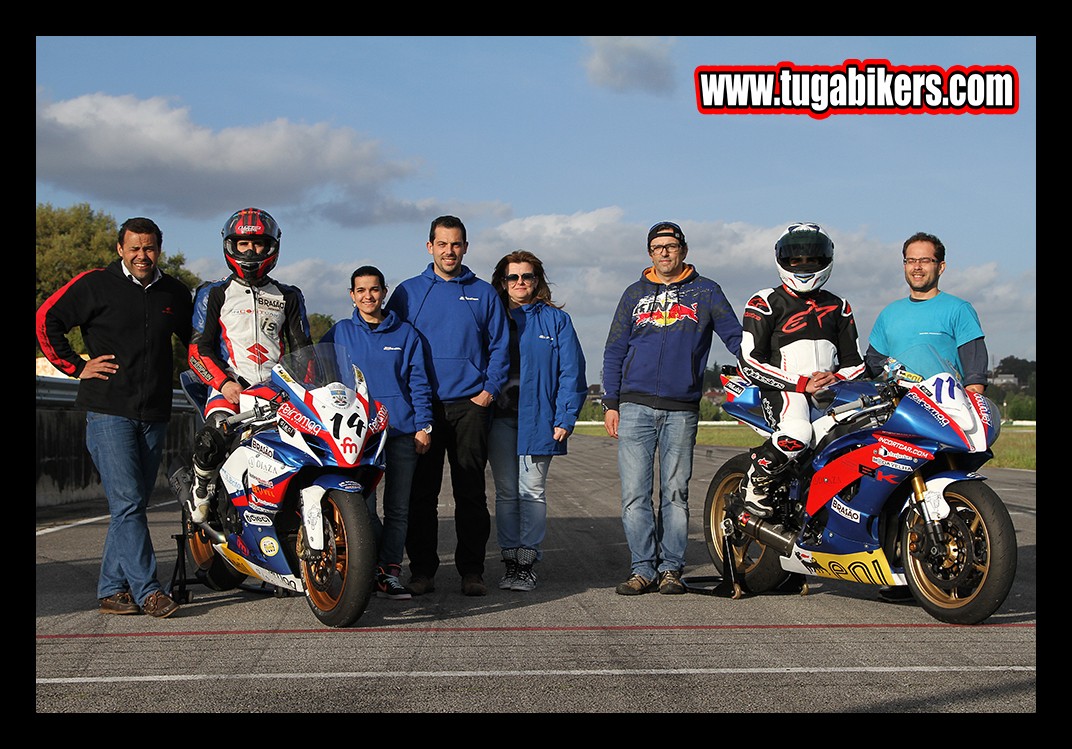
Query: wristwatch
x=427, y=429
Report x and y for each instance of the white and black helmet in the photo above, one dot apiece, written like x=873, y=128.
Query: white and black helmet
x=800, y=241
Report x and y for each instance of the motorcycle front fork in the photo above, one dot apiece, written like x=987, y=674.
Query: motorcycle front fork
x=932, y=527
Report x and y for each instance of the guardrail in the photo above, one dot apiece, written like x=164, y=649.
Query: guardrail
x=61, y=391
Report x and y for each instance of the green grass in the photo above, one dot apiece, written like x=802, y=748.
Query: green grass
x=1015, y=447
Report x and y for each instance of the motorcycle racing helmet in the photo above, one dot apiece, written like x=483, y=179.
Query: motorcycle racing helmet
x=251, y=223
x=804, y=240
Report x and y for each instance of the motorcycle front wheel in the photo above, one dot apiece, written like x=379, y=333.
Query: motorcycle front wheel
x=758, y=563
x=338, y=580
x=973, y=577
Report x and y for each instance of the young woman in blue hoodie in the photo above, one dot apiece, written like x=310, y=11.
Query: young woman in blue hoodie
x=535, y=413
x=389, y=353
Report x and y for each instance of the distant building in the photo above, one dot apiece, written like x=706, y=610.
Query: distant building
x=1004, y=380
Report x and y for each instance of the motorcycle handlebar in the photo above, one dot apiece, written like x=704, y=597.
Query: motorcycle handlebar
x=258, y=412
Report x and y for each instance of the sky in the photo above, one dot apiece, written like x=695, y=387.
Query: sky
x=569, y=147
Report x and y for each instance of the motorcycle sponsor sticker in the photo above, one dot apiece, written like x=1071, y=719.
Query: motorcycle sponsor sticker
x=844, y=510
x=256, y=518
x=938, y=415
x=350, y=486
x=264, y=468
x=380, y=421
x=269, y=547
x=891, y=464
x=298, y=420
x=982, y=406
x=904, y=447
x=263, y=448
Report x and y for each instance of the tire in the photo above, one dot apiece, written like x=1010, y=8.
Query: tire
x=338, y=583
x=210, y=568
x=975, y=576
x=757, y=563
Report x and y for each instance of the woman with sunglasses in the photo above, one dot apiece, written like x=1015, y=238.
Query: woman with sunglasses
x=535, y=413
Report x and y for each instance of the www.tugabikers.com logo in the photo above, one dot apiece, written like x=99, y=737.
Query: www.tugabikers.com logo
x=868, y=87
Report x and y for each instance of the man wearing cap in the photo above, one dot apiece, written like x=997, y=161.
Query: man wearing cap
x=653, y=371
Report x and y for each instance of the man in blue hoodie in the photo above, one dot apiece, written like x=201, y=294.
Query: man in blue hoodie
x=466, y=333
x=653, y=369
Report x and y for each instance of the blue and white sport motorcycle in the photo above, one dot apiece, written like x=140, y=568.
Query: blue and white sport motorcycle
x=888, y=495
x=290, y=508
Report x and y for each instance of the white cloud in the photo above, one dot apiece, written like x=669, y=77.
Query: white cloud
x=148, y=152
x=623, y=63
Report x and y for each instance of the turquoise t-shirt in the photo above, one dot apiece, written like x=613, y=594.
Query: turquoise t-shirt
x=946, y=322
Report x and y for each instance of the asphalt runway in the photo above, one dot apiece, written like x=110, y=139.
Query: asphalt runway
x=570, y=646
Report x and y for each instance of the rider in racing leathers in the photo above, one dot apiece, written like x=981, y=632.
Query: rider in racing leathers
x=798, y=339
x=241, y=325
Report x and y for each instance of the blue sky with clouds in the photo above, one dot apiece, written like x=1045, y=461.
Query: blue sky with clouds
x=570, y=147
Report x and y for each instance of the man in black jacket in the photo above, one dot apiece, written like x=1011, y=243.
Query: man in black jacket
x=128, y=313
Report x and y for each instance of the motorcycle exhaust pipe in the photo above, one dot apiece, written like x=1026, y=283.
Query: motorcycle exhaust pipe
x=213, y=534
x=767, y=533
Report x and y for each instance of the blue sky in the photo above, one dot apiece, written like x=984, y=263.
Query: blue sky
x=570, y=147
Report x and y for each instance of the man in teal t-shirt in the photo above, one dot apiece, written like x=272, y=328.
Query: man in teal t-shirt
x=929, y=316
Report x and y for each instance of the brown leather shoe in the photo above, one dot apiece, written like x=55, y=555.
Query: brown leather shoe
x=473, y=585
x=119, y=603
x=418, y=585
x=159, y=604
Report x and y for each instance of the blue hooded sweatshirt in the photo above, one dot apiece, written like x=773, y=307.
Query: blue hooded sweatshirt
x=465, y=330
x=660, y=337
x=391, y=357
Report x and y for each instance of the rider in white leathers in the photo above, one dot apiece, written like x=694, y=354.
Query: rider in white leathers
x=798, y=339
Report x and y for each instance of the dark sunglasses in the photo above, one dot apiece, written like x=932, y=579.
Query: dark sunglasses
x=526, y=277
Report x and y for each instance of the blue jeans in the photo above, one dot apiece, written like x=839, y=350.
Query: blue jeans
x=520, y=489
x=127, y=454
x=656, y=542
x=401, y=459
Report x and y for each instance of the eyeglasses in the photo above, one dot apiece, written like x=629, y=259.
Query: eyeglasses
x=513, y=278
x=671, y=247
x=924, y=261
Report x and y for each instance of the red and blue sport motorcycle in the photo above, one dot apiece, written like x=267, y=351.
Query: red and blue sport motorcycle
x=290, y=508
x=888, y=495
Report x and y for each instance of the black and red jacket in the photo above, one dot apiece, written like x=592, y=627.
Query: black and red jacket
x=119, y=316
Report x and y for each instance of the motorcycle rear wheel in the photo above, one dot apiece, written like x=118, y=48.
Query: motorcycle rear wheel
x=338, y=582
x=975, y=576
x=758, y=563
x=210, y=568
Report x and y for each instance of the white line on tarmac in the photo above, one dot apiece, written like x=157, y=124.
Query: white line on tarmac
x=576, y=672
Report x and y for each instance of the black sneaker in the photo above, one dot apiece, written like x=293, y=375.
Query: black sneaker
x=389, y=586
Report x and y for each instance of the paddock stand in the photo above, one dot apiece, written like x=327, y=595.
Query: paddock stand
x=180, y=579
x=724, y=586
x=734, y=585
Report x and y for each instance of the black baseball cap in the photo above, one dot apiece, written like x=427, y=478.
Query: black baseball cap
x=666, y=229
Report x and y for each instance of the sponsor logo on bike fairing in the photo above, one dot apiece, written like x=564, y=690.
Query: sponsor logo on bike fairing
x=938, y=415
x=350, y=486
x=891, y=464
x=298, y=420
x=263, y=448
x=269, y=547
x=982, y=406
x=844, y=510
x=904, y=447
x=256, y=518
